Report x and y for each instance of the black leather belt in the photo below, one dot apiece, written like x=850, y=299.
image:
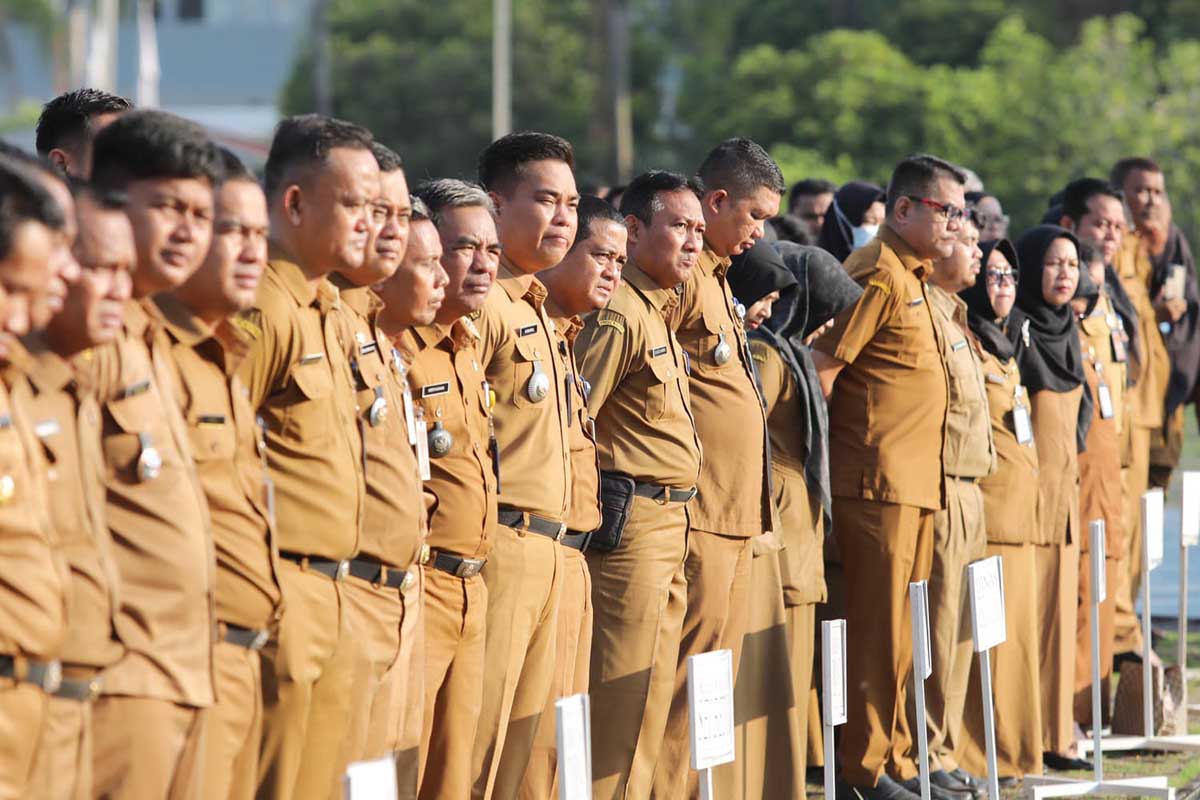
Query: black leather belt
x=381, y=574
x=44, y=674
x=334, y=570
x=248, y=638
x=513, y=518
x=83, y=691
x=577, y=540
x=656, y=492
x=458, y=566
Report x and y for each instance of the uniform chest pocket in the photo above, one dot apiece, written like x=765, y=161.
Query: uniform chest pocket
x=371, y=385
x=663, y=397
x=213, y=436
x=531, y=372
x=964, y=377
x=14, y=474
x=715, y=347
x=309, y=416
x=134, y=425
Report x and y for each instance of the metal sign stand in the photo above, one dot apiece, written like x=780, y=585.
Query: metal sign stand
x=833, y=680
x=918, y=598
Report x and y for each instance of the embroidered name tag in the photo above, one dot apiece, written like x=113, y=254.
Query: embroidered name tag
x=959, y=345
x=136, y=389
x=527, y=330
x=916, y=301
x=992, y=377
x=311, y=358
x=366, y=348
x=46, y=428
x=435, y=389
x=210, y=420
x=658, y=351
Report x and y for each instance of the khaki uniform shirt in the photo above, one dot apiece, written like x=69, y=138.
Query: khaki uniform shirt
x=801, y=561
x=734, y=488
x=34, y=580
x=887, y=413
x=1010, y=494
x=1100, y=489
x=969, y=452
x=518, y=340
x=160, y=525
x=1099, y=329
x=1149, y=391
x=67, y=423
x=1055, y=417
x=584, y=512
x=639, y=393
x=299, y=381
x=448, y=386
x=226, y=445
x=394, y=512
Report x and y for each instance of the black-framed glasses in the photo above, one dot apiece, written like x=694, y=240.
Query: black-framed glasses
x=952, y=213
x=1001, y=277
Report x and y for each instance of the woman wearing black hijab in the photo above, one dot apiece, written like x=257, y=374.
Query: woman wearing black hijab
x=1010, y=502
x=853, y=218
x=1045, y=336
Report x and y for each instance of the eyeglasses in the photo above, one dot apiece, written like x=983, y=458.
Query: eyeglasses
x=951, y=213
x=1001, y=277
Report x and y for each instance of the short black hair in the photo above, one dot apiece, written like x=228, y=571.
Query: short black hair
x=592, y=210
x=503, y=160
x=807, y=187
x=387, y=158
x=23, y=198
x=112, y=199
x=67, y=119
x=740, y=166
x=1078, y=192
x=973, y=198
x=916, y=175
x=306, y=139
x=1122, y=168
x=232, y=167
x=640, y=199
x=1089, y=251
x=153, y=144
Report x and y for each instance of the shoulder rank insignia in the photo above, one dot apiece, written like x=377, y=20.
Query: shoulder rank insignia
x=474, y=315
x=881, y=286
x=470, y=325
x=249, y=321
x=758, y=355
x=611, y=319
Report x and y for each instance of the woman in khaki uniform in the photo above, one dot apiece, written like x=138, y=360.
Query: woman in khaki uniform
x=1010, y=502
x=1046, y=337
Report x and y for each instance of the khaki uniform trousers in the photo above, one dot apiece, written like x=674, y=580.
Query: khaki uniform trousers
x=884, y=547
x=308, y=677
x=1083, y=638
x=455, y=614
x=769, y=740
x=717, y=571
x=1057, y=577
x=23, y=713
x=571, y=664
x=387, y=694
x=524, y=576
x=62, y=769
x=234, y=724
x=1015, y=681
x=1127, y=637
x=959, y=537
x=802, y=632
x=639, y=595
x=144, y=747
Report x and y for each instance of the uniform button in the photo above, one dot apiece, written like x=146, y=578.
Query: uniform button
x=8, y=488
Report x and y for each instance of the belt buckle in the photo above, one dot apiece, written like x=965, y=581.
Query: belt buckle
x=343, y=569
x=410, y=577
x=562, y=531
x=94, y=686
x=425, y=554
x=260, y=639
x=52, y=677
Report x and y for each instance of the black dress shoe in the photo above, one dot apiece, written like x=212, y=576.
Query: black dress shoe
x=1065, y=763
x=978, y=786
x=948, y=781
x=886, y=789
x=935, y=792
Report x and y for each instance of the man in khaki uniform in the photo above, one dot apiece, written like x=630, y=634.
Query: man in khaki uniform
x=68, y=425
x=886, y=477
x=34, y=589
x=227, y=445
x=150, y=722
x=449, y=389
x=529, y=178
x=959, y=533
x=321, y=179
x=742, y=189
x=69, y=123
x=639, y=398
x=382, y=591
x=583, y=282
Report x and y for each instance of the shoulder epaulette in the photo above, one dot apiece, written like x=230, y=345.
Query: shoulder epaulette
x=469, y=325
x=474, y=315
x=611, y=319
x=881, y=286
x=249, y=321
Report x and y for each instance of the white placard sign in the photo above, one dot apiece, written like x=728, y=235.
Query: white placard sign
x=986, y=579
x=1190, y=523
x=918, y=596
x=1152, y=527
x=1099, y=574
x=833, y=650
x=710, y=708
x=573, y=715
x=370, y=780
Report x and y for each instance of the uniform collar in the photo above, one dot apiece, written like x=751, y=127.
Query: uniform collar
x=567, y=325
x=181, y=322
x=951, y=305
x=709, y=263
x=48, y=371
x=518, y=285
x=662, y=299
x=361, y=299
x=920, y=267
x=458, y=334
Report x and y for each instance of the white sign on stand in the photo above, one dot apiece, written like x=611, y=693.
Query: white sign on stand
x=371, y=780
x=833, y=684
x=710, y=713
x=1099, y=595
x=574, y=729
x=1189, y=536
x=918, y=597
x=986, y=581
x=1190, y=521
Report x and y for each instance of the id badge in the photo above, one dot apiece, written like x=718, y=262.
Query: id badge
x=422, y=428
x=1022, y=424
x=1106, y=403
x=409, y=416
x=1118, y=346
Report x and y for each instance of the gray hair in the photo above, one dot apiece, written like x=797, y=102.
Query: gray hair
x=443, y=194
x=420, y=211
